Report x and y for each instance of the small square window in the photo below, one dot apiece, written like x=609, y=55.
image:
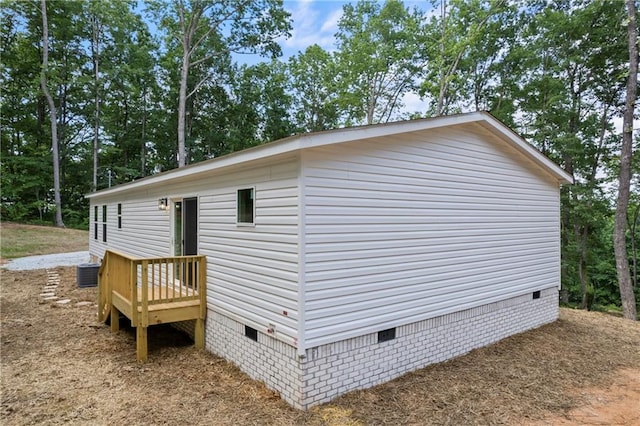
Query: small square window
x=536, y=294
x=246, y=205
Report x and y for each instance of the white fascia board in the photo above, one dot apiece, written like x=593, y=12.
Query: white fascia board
x=247, y=155
x=313, y=140
x=489, y=121
x=293, y=143
x=329, y=137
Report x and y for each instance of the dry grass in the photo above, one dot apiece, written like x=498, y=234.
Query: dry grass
x=60, y=366
x=524, y=377
x=17, y=240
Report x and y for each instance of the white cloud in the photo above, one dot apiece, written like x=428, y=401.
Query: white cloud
x=310, y=26
x=413, y=103
x=331, y=24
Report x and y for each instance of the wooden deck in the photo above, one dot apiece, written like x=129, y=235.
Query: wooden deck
x=152, y=291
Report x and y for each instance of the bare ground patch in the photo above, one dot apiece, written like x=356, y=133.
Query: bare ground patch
x=617, y=404
x=59, y=366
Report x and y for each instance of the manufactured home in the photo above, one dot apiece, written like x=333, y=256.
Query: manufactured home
x=338, y=260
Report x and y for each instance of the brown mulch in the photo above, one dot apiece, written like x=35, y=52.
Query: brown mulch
x=60, y=366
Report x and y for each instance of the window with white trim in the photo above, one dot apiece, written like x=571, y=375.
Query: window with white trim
x=95, y=222
x=104, y=223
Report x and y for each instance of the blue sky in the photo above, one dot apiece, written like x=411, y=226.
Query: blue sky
x=316, y=22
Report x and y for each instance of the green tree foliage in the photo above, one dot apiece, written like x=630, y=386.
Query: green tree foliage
x=26, y=177
x=570, y=89
x=377, y=59
x=462, y=48
x=203, y=32
x=311, y=75
x=126, y=95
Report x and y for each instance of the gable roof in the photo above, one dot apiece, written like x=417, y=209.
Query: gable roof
x=329, y=137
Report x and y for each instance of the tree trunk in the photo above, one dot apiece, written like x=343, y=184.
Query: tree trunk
x=581, y=236
x=182, y=101
x=53, y=115
x=95, y=51
x=443, y=19
x=143, y=162
x=627, y=295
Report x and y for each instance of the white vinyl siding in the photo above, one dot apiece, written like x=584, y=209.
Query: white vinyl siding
x=145, y=229
x=414, y=226
x=253, y=271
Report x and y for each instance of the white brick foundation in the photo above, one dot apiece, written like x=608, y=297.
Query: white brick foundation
x=334, y=369
x=269, y=360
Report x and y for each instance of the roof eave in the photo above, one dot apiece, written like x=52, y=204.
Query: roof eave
x=502, y=130
x=312, y=140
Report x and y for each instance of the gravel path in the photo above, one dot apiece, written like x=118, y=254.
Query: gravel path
x=47, y=261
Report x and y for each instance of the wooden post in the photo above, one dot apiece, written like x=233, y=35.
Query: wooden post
x=133, y=288
x=141, y=344
x=144, y=321
x=106, y=287
x=199, y=334
x=101, y=290
x=202, y=286
x=115, y=319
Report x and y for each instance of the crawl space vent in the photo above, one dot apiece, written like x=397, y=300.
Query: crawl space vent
x=251, y=333
x=385, y=335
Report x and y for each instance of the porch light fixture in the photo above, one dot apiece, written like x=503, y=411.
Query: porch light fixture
x=163, y=204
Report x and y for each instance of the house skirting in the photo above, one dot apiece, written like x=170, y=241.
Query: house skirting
x=330, y=370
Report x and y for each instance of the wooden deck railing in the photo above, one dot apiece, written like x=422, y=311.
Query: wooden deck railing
x=152, y=291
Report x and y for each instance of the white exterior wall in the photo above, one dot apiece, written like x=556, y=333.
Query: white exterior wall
x=252, y=273
x=145, y=230
x=420, y=225
x=253, y=270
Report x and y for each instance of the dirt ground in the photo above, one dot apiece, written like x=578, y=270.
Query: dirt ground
x=618, y=404
x=60, y=366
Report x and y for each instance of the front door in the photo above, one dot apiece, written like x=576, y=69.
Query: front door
x=185, y=227
x=190, y=226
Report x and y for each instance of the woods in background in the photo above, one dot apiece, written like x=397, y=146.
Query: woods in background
x=130, y=91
